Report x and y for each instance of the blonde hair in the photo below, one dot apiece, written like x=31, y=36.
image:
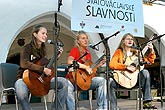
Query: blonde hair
x=122, y=45
x=78, y=34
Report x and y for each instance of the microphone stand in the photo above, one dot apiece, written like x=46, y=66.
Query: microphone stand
x=160, y=73
x=105, y=39
x=160, y=57
x=140, y=54
x=107, y=66
x=107, y=69
x=56, y=33
x=55, y=62
x=75, y=66
x=142, y=63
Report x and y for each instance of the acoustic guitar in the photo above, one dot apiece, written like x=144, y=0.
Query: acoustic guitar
x=82, y=77
x=39, y=84
x=128, y=79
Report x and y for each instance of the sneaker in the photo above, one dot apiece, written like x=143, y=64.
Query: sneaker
x=149, y=105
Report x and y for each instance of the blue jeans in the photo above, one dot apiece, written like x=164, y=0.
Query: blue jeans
x=22, y=93
x=97, y=83
x=145, y=84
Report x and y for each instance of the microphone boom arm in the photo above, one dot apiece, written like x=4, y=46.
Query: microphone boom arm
x=105, y=39
x=156, y=37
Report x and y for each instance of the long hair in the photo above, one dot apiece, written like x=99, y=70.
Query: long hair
x=78, y=34
x=122, y=45
x=36, y=29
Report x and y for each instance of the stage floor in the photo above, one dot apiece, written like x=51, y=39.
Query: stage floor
x=124, y=104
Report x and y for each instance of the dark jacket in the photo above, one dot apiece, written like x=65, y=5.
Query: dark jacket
x=29, y=56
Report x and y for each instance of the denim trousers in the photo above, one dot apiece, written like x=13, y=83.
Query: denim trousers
x=22, y=92
x=98, y=83
x=145, y=85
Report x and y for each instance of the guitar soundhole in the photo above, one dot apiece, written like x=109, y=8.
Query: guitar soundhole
x=82, y=76
x=133, y=64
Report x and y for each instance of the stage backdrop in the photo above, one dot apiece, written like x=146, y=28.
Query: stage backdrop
x=108, y=16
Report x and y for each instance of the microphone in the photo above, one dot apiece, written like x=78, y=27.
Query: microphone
x=93, y=47
x=158, y=37
x=58, y=43
x=161, y=35
x=144, y=63
x=135, y=47
x=50, y=42
x=122, y=29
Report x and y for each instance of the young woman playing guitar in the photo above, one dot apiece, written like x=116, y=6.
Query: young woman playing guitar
x=118, y=62
x=32, y=53
x=85, y=69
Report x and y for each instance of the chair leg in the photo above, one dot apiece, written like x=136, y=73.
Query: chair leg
x=16, y=102
x=1, y=99
x=90, y=99
x=45, y=102
x=53, y=98
x=137, y=99
x=30, y=96
x=46, y=107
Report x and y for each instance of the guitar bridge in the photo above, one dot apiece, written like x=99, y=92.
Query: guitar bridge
x=125, y=75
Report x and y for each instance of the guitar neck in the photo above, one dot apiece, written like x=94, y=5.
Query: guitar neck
x=49, y=65
x=97, y=62
x=144, y=50
x=146, y=47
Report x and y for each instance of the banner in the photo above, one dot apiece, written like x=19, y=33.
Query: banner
x=108, y=16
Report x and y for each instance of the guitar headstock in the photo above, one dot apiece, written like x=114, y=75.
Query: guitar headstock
x=149, y=42
x=152, y=38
